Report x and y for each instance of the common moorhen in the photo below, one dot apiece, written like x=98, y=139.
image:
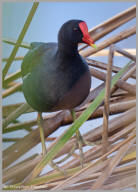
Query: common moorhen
x=55, y=76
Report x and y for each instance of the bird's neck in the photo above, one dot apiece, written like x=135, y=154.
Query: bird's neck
x=67, y=49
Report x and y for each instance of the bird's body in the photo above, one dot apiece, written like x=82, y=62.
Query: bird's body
x=55, y=76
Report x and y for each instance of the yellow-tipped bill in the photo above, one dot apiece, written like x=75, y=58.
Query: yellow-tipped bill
x=93, y=45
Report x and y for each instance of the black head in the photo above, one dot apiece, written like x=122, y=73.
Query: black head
x=73, y=32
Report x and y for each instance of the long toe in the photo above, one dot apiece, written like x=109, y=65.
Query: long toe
x=69, y=154
x=80, y=146
x=57, y=168
x=89, y=143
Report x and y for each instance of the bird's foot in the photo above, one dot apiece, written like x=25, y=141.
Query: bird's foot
x=80, y=143
x=54, y=166
x=57, y=168
x=69, y=154
x=89, y=143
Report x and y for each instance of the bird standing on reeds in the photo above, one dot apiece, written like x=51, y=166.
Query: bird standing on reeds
x=55, y=76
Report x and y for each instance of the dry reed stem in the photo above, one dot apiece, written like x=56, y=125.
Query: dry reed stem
x=56, y=176
x=84, y=186
x=18, y=126
x=94, y=93
x=87, y=161
x=105, y=142
x=92, y=167
x=21, y=168
x=124, y=183
x=122, y=35
x=8, y=109
x=18, y=149
x=115, y=107
x=119, y=176
x=96, y=168
x=105, y=52
x=21, y=147
x=114, y=124
x=100, y=170
x=99, y=167
x=116, y=171
x=125, y=53
x=121, y=83
x=88, y=185
x=15, y=114
x=12, y=77
x=11, y=90
x=124, y=77
x=121, y=93
x=122, y=133
x=9, y=85
x=112, y=164
x=96, y=151
x=111, y=24
x=122, y=120
x=53, y=177
x=130, y=156
x=104, y=66
x=129, y=73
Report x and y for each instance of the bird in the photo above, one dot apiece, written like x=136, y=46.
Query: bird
x=55, y=76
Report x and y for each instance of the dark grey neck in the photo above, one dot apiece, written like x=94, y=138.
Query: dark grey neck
x=67, y=49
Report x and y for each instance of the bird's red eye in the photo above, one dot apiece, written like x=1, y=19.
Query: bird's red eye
x=75, y=29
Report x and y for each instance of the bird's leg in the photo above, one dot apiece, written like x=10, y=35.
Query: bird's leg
x=40, y=124
x=80, y=145
x=44, y=150
x=81, y=141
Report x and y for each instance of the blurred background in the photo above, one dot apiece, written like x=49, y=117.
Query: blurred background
x=44, y=28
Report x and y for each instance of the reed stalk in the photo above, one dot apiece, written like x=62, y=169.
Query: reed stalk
x=20, y=38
